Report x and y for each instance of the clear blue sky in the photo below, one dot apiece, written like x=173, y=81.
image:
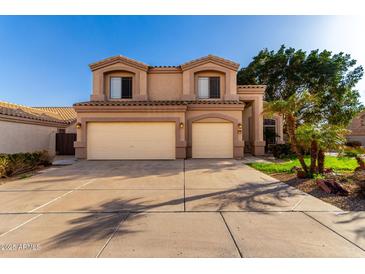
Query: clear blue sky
x=44, y=59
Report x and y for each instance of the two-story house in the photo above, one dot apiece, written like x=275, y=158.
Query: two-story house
x=195, y=110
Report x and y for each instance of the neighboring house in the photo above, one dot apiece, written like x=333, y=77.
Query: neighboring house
x=357, y=127
x=195, y=110
x=29, y=129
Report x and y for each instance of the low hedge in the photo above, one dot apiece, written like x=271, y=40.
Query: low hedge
x=281, y=151
x=12, y=164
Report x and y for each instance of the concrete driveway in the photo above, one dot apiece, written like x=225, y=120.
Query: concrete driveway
x=192, y=208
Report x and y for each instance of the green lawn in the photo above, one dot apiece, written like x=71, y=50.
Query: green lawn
x=338, y=164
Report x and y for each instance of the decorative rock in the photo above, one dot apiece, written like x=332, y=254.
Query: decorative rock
x=331, y=186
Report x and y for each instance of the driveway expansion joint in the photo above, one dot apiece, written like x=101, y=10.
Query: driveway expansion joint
x=230, y=233
x=338, y=234
x=122, y=219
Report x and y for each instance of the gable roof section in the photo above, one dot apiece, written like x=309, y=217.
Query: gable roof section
x=118, y=59
x=62, y=117
x=142, y=66
x=213, y=59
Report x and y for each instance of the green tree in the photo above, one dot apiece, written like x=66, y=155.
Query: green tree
x=320, y=139
x=290, y=110
x=331, y=77
x=315, y=92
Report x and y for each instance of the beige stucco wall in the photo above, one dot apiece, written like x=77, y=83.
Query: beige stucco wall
x=164, y=83
x=19, y=137
x=357, y=128
x=71, y=128
x=183, y=140
x=357, y=125
x=164, y=86
x=246, y=120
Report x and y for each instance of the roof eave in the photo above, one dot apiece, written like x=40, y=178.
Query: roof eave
x=118, y=59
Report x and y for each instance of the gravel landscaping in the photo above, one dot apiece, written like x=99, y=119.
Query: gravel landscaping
x=355, y=201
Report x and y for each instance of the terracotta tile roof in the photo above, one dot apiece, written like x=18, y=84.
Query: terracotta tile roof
x=159, y=103
x=31, y=113
x=67, y=114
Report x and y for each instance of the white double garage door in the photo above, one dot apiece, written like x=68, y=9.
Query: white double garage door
x=155, y=140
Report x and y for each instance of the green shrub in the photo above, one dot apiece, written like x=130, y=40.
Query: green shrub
x=349, y=151
x=11, y=164
x=5, y=164
x=281, y=151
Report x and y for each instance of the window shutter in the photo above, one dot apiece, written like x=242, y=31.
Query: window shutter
x=127, y=87
x=214, y=84
x=115, y=88
x=203, y=87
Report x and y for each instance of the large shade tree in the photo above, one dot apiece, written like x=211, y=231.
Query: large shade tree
x=331, y=77
x=315, y=89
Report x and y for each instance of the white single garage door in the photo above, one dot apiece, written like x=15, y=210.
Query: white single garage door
x=130, y=140
x=212, y=140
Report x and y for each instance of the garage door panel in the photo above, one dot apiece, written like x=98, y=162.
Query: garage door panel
x=212, y=140
x=131, y=140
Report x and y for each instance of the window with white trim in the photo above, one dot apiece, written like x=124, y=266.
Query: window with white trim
x=121, y=87
x=208, y=87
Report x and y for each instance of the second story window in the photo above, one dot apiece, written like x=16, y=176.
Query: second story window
x=208, y=87
x=121, y=88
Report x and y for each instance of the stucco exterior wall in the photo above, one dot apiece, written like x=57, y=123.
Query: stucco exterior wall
x=19, y=137
x=357, y=128
x=183, y=119
x=71, y=128
x=246, y=115
x=164, y=83
x=164, y=86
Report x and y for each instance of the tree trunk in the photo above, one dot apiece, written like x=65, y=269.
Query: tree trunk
x=293, y=142
x=320, y=161
x=360, y=162
x=314, y=155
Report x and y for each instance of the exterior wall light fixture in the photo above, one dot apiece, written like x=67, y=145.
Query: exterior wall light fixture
x=181, y=125
x=78, y=125
x=239, y=128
